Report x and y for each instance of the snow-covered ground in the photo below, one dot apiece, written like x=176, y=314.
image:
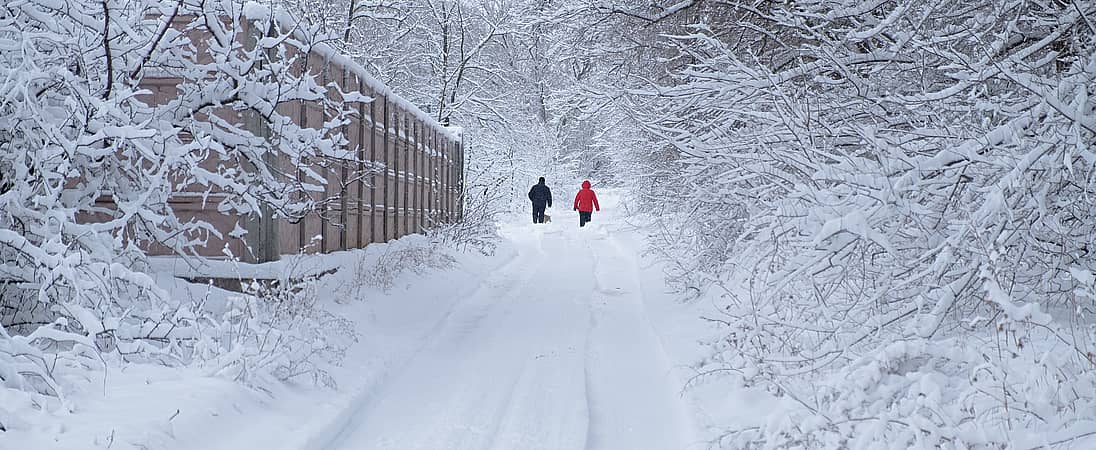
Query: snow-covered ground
x=554, y=350
x=566, y=338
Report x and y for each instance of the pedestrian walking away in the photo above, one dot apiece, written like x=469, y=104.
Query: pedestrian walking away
x=586, y=203
x=541, y=197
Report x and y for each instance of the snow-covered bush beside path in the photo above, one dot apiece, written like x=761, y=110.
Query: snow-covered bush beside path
x=77, y=133
x=895, y=206
x=362, y=331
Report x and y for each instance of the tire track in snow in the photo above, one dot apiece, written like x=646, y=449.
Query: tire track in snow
x=547, y=411
x=483, y=393
x=340, y=430
x=591, y=323
x=632, y=405
x=553, y=352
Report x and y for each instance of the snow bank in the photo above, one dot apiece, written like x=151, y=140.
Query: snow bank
x=153, y=406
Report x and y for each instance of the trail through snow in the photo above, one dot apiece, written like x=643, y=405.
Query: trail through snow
x=565, y=338
x=554, y=350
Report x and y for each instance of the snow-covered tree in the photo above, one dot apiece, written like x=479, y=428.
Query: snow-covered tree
x=894, y=199
x=109, y=109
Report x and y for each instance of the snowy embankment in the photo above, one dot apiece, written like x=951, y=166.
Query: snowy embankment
x=151, y=406
x=566, y=338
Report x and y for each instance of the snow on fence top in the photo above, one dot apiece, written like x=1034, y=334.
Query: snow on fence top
x=256, y=11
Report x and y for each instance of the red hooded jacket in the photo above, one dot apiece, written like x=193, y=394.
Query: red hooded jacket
x=586, y=200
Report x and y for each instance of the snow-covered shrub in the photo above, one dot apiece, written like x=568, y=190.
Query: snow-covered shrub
x=412, y=253
x=477, y=228
x=276, y=332
x=909, y=189
x=88, y=165
x=489, y=189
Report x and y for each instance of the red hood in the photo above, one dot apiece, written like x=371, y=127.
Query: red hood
x=586, y=184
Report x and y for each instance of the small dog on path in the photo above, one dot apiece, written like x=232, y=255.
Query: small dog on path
x=547, y=219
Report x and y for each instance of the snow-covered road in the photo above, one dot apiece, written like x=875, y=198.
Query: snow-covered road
x=565, y=338
x=554, y=350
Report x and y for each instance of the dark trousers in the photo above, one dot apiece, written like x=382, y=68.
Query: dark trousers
x=583, y=217
x=538, y=214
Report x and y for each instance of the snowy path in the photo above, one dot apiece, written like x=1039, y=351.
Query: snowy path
x=552, y=351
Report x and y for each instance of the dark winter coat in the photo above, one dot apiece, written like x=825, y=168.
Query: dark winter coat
x=586, y=200
x=540, y=195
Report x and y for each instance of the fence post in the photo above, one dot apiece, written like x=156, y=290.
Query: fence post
x=441, y=181
x=344, y=175
x=421, y=179
x=260, y=244
x=452, y=182
x=415, y=179
x=409, y=175
x=448, y=181
x=409, y=165
x=360, y=175
x=373, y=169
x=384, y=182
x=302, y=225
x=397, y=157
x=460, y=179
x=324, y=173
x=433, y=193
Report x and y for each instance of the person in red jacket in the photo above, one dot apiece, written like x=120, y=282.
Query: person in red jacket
x=585, y=203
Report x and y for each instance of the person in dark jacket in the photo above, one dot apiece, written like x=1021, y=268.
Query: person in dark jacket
x=585, y=203
x=541, y=197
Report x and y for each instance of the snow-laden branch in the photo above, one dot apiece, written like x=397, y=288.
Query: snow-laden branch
x=897, y=196
x=109, y=116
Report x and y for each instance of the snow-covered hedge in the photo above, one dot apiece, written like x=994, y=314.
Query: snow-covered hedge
x=897, y=203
